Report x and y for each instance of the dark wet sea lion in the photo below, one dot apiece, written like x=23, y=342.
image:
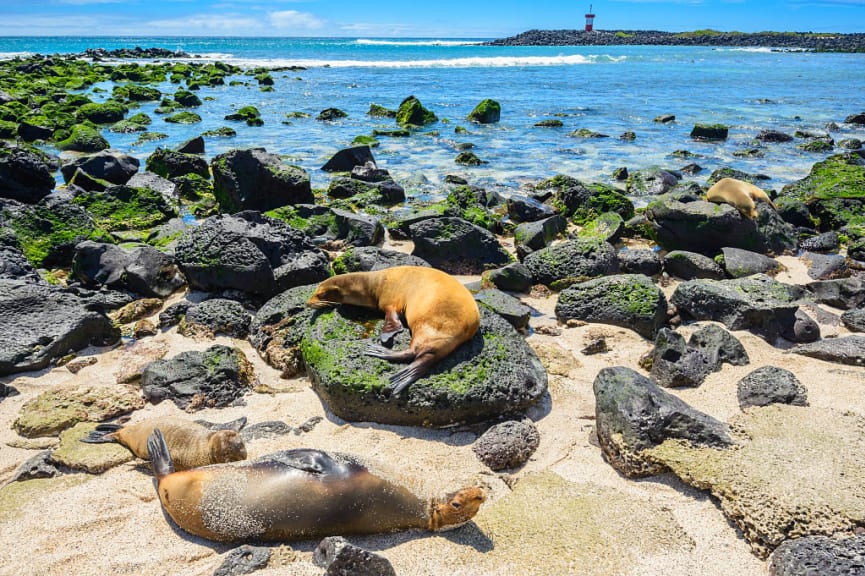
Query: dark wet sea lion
x=190, y=443
x=297, y=494
x=441, y=313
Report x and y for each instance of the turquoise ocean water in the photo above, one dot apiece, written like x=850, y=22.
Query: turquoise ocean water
x=605, y=89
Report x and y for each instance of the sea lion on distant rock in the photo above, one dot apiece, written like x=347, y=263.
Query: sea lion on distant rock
x=191, y=444
x=297, y=494
x=441, y=313
x=740, y=194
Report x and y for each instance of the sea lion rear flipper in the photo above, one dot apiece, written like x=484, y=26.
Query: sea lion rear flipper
x=100, y=436
x=160, y=459
x=392, y=326
x=401, y=380
x=377, y=351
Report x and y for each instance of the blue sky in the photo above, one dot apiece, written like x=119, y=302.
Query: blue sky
x=413, y=18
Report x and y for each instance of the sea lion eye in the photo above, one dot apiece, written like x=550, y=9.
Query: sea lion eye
x=456, y=505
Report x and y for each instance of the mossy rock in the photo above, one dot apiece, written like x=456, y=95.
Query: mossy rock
x=48, y=232
x=377, y=111
x=834, y=191
x=184, y=117
x=412, y=113
x=493, y=374
x=249, y=114
x=364, y=140
x=102, y=113
x=221, y=132
x=486, y=112
x=126, y=208
x=63, y=407
x=549, y=123
x=83, y=138
x=92, y=458
x=136, y=93
x=709, y=132
x=468, y=158
x=187, y=98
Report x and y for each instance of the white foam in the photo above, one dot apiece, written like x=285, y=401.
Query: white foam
x=472, y=62
x=432, y=42
x=11, y=55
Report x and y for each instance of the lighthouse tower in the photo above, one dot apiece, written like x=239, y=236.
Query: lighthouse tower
x=590, y=20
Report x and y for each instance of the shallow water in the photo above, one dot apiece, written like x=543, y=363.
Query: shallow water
x=605, y=89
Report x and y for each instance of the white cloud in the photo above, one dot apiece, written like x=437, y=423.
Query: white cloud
x=288, y=19
x=196, y=24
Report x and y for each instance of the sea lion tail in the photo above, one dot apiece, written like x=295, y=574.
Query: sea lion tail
x=160, y=459
x=103, y=434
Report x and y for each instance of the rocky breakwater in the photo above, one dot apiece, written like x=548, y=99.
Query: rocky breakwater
x=817, y=42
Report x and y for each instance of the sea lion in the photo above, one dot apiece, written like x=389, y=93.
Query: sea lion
x=191, y=443
x=441, y=313
x=740, y=194
x=297, y=494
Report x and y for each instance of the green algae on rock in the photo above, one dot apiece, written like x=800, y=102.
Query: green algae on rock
x=488, y=111
x=412, y=113
x=65, y=406
x=126, y=208
x=83, y=138
x=796, y=472
x=92, y=458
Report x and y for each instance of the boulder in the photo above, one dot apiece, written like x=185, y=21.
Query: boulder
x=833, y=190
x=641, y=261
x=844, y=350
x=24, y=176
x=83, y=138
x=514, y=277
x=193, y=380
x=633, y=415
x=507, y=445
x=249, y=252
x=691, y=265
x=457, y=246
x=825, y=242
x=346, y=159
x=740, y=263
x=709, y=132
x=706, y=227
x=62, y=407
x=122, y=207
x=92, y=458
x=114, y=167
x=192, y=146
x=608, y=227
x=151, y=181
x=572, y=259
x=719, y=346
x=756, y=303
x=854, y=320
x=216, y=316
x=650, y=182
x=531, y=236
x=171, y=164
x=494, y=373
x=331, y=114
x=773, y=136
x=843, y=293
x=819, y=555
x=15, y=266
x=675, y=364
x=41, y=323
x=412, y=113
x=627, y=300
x=371, y=258
x=243, y=560
x=526, y=209
x=144, y=270
x=253, y=179
x=771, y=385
x=487, y=112
x=825, y=266
x=339, y=557
x=358, y=229
x=583, y=201
x=506, y=306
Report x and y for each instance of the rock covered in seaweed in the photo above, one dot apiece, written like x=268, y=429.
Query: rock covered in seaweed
x=253, y=179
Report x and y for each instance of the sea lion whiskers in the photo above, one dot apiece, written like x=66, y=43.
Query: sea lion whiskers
x=455, y=509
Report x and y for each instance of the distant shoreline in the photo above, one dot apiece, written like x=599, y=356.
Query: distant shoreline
x=806, y=41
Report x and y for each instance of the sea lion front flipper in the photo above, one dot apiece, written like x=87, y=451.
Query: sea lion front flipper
x=392, y=326
x=160, y=458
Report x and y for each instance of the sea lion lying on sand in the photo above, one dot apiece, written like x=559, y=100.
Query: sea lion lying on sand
x=740, y=194
x=441, y=313
x=191, y=444
x=297, y=494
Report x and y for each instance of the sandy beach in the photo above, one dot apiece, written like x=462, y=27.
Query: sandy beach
x=565, y=512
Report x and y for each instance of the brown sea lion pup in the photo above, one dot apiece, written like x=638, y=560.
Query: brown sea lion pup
x=191, y=443
x=740, y=194
x=441, y=313
x=297, y=494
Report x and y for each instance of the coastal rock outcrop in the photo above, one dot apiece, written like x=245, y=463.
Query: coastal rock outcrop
x=253, y=179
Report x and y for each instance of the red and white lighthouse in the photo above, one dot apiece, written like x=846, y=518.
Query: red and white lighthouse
x=590, y=20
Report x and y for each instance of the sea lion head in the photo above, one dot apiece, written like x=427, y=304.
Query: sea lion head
x=226, y=446
x=343, y=289
x=455, y=509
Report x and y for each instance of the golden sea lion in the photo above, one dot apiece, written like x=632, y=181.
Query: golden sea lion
x=740, y=194
x=191, y=444
x=297, y=494
x=441, y=313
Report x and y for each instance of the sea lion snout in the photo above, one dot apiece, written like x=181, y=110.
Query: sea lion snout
x=457, y=508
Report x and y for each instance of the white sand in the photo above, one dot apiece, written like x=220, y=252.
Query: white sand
x=113, y=523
